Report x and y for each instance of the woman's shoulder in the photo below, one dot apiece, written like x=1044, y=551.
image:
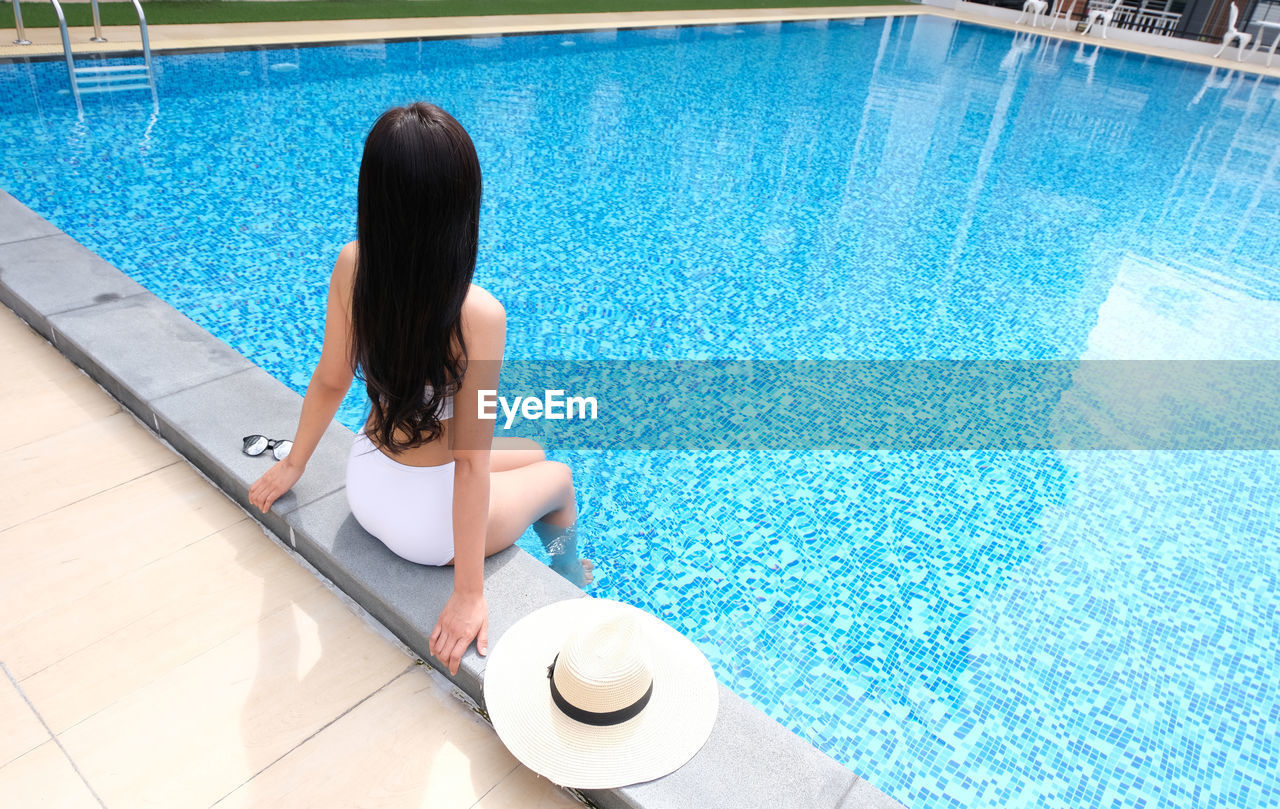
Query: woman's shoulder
x=481, y=307
x=484, y=325
x=344, y=268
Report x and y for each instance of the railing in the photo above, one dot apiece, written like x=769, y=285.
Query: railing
x=100, y=79
x=66, y=48
x=97, y=27
x=1144, y=17
x=1148, y=21
x=17, y=19
x=142, y=27
x=1202, y=20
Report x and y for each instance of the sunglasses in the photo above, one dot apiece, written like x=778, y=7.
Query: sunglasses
x=255, y=445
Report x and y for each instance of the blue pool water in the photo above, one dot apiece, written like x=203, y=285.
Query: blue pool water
x=963, y=628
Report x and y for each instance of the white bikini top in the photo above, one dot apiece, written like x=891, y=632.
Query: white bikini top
x=445, y=411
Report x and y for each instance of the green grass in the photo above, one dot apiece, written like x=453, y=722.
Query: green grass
x=37, y=14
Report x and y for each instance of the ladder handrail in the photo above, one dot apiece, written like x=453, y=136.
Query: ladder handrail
x=17, y=19
x=146, y=41
x=66, y=43
x=66, y=50
x=142, y=26
x=97, y=24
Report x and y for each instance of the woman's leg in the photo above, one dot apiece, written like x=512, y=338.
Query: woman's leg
x=540, y=492
x=513, y=453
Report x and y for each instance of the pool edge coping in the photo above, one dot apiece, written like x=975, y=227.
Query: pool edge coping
x=198, y=394
x=1188, y=51
x=412, y=29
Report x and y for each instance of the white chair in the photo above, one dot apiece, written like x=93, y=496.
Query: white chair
x=1035, y=8
x=1059, y=13
x=1242, y=39
x=1102, y=16
x=1263, y=26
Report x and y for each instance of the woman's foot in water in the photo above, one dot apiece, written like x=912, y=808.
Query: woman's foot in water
x=561, y=544
x=579, y=571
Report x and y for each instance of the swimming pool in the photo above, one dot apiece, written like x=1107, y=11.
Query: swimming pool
x=967, y=628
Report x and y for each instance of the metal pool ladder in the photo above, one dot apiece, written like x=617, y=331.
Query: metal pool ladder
x=110, y=78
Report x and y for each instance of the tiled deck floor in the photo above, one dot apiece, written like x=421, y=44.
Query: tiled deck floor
x=159, y=650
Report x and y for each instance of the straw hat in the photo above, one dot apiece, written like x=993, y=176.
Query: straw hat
x=595, y=694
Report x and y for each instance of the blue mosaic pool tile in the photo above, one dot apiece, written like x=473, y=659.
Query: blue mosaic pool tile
x=966, y=629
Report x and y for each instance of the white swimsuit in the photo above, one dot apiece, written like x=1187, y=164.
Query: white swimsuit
x=409, y=508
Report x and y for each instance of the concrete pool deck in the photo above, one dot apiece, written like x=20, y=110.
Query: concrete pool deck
x=158, y=649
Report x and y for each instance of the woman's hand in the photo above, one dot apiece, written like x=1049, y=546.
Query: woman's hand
x=464, y=618
x=276, y=481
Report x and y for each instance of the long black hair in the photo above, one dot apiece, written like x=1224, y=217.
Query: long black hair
x=418, y=226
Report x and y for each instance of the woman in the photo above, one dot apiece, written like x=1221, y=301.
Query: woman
x=422, y=477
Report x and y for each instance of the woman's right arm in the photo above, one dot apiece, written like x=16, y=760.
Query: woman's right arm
x=465, y=616
x=329, y=385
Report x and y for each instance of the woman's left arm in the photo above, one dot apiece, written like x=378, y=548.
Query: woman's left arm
x=329, y=385
x=465, y=616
